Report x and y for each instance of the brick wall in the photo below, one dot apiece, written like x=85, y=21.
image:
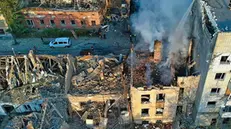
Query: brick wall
x=41, y=18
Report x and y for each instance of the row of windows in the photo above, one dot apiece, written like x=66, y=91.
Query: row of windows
x=224, y=121
x=146, y=98
x=62, y=22
x=145, y=112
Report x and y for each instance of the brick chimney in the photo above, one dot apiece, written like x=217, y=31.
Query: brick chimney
x=157, y=51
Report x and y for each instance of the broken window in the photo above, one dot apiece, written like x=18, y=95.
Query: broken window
x=63, y=22
x=73, y=22
x=145, y=122
x=93, y=23
x=28, y=106
x=145, y=98
x=213, y=121
x=179, y=109
x=226, y=120
x=181, y=93
x=41, y=22
x=145, y=112
x=220, y=76
x=25, y=107
x=208, y=23
x=8, y=108
x=83, y=23
x=224, y=60
x=52, y=22
x=211, y=104
x=2, y=31
x=160, y=97
x=159, y=111
x=215, y=90
x=29, y=22
x=227, y=109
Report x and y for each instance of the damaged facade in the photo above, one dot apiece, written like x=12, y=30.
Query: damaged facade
x=68, y=14
x=212, y=54
x=154, y=101
x=41, y=91
x=65, y=14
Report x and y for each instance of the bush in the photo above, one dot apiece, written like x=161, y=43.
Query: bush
x=54, y=32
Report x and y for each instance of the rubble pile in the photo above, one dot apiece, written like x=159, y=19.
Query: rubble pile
x=93, y=110
x=53, y=115
x=28, y=69
x=50, y=79
x=97, y=75
x=26, y=75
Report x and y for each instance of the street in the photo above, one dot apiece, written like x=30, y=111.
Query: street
x=116, y=42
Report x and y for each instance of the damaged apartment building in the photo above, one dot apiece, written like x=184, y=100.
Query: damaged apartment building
x=212, y=51
x=152, y=99
x=206, y=97
x=67, y=14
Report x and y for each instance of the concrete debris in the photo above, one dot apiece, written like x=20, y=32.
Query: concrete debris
x=51, y=78
x=90, y=70
x=94, y=69
x=54, y=115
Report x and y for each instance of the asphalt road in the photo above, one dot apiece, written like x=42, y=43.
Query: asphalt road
x=117, y=42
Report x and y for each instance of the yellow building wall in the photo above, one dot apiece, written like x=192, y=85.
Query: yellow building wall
x=170, y=104
x=76, y=100
x=222, y=48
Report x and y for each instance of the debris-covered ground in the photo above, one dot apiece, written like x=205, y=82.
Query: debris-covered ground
x=97, y=74
x=50, y=78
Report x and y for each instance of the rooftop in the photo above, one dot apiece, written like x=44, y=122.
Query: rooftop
x=221, y=12
x=80, y=5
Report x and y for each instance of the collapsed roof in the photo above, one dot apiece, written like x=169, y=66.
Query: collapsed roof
x=77, y=5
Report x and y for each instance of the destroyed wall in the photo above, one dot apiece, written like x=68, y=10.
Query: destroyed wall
x=26, y=75
x=97, y=75
x=76, y=100
x=149, y=105
x=157, y=51
x=187, y=93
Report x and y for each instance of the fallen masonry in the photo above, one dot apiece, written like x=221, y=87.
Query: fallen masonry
x=44, y=91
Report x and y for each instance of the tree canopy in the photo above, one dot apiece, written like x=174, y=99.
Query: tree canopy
x=10, y=9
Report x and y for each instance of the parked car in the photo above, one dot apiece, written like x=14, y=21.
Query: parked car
x=60, y=42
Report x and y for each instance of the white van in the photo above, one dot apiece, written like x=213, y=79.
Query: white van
x=60, y=42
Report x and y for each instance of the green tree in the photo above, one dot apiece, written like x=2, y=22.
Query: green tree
x=14, y=18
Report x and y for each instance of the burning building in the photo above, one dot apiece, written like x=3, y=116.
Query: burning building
x=153, y=99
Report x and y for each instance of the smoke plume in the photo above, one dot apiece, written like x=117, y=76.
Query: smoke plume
x=164, y=20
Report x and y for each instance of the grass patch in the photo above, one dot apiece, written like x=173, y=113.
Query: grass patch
x=55, y=32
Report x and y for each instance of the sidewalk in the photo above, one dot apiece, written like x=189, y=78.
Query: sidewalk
x=116, y=42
